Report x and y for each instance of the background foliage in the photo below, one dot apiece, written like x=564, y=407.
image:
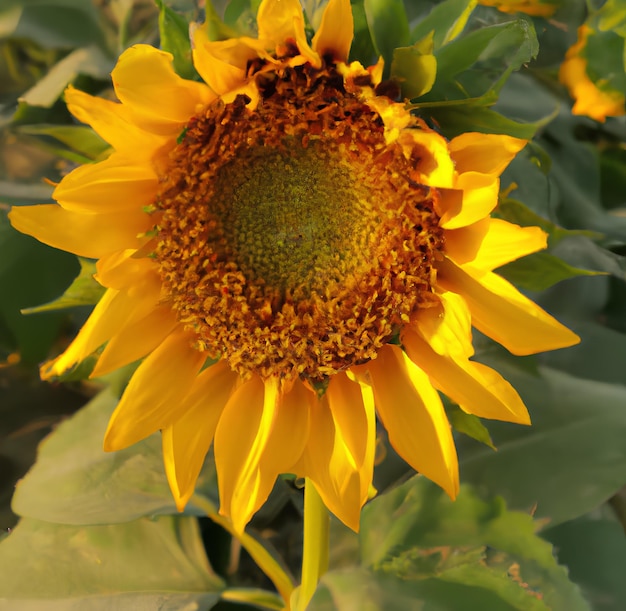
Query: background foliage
x=539, y=523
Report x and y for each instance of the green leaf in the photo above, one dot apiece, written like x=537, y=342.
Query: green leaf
x=388, y=26
x=446, y=21
x=414, y=68
x=348, y=589
x=569, y=461
x=516, y=212
x=456, y=118
x=75, y=482
x=86, y=60
x=595, y=553
x=174, y=33
x=83, y=291
x=30, y=273
x=61, y=24
x=362, y=48
x=468, y=424
x=417, y=522
x=470, y=66
x=78, y=138
x=541, y=270
x=605, y=55
x=136, y=566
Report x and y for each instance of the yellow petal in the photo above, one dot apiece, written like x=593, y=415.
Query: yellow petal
x=86, y=235
x=117, y=184
x=474, y=197
x=435, y=165
x=484, y=153
x=413, y=415
x=115, y=311
x=222, y=64
x=112, y=122
x=500, y=311
x=326, y=463
x=462, y=245
x=506, y=242
x=187, y=440
x=334, y=35
x=123, y=268
x=240, y=440
x=355, y=430
x=159, y=100
x=136, y=340
x=491, y=243
x=290, y=432
x=282, y=21
x=153, y=396
x=477, y=389
x=448, y=329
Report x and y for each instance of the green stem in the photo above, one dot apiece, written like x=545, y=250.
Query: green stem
x=263, y=559
x=315, y=547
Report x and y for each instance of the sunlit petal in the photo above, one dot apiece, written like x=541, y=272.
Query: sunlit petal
x=152, y=398
x=414, y=418
x=500, y=311
x=187, y=440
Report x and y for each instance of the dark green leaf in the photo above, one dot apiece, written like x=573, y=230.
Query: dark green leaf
x=146, y=565
x=569, y=461
x=470, y=66
x=388, y=25
x=83, y=291
x=541, y=270
x=30, y=274
x=595, y=553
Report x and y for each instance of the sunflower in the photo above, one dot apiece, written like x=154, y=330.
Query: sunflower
x=590, y=100
x=293, y=254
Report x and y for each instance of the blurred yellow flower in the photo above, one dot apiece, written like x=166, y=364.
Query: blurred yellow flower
x=536, y=8
x=293, y=253
x=589, y=99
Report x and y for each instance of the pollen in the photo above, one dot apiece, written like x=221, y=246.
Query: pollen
x=293, y=239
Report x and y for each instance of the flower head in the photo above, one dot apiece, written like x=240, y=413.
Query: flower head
x=589, y=99
x=293, y=253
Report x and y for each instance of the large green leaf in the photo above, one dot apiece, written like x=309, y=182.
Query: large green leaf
x=569, y=461
x=174, y=32
x=469, y=546
x=75, y=482
x=145, y=565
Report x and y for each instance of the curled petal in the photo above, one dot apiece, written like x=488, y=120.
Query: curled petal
x=160, y=101
x=334, y=35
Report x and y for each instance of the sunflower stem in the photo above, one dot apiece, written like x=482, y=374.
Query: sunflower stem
x=315, y=547
x=261, y=556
